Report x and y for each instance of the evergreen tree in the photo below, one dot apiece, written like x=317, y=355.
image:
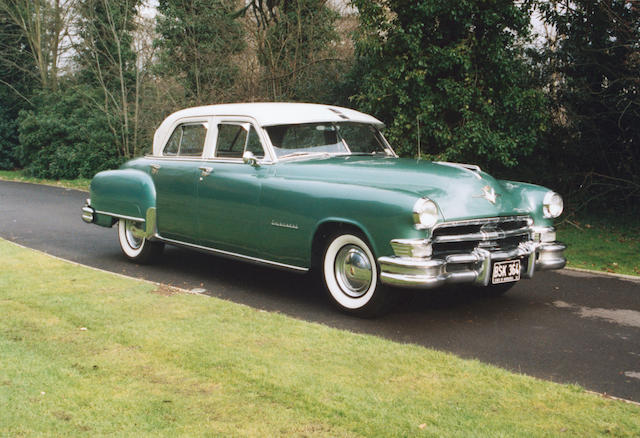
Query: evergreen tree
x=596, y=72
x=457, y=68
x=15, y=87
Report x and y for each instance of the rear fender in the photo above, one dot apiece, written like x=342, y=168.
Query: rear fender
x=124, y=194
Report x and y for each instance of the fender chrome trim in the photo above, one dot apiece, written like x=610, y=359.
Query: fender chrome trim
x=120, y=216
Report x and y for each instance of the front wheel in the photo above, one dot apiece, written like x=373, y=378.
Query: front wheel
x=351, y=276
x=135, y=247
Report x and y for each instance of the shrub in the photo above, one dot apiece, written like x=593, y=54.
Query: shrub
x=66, y=136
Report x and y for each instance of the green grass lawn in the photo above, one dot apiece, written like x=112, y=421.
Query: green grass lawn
x=603, y=244
x=86, y=353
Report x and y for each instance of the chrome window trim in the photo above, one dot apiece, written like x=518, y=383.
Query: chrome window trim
x=205, y=160
x=210, y=144
x=233, y=254
x=187, y=121
x=269, y=155
x=276, y=159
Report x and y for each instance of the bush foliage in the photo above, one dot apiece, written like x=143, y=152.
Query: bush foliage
x=63, y=137
x=456, y=68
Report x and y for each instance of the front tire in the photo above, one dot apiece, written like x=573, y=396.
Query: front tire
x=350, y=276
x=135, y=248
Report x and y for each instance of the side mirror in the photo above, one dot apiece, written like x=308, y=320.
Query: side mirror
x=249, y=158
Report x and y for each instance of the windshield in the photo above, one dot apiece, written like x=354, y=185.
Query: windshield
x=343, y=138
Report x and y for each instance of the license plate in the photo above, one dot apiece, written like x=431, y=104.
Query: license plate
x=505, y=272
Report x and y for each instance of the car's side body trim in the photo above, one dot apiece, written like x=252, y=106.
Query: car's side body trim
x=233, y=255
x=121, y=216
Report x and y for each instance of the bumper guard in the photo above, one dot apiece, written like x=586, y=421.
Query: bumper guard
x=473, y=267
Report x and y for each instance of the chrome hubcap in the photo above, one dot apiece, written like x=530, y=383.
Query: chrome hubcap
x=353, y=271
x=131, y=230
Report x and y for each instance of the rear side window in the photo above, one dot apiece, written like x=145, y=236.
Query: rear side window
x=187, y=140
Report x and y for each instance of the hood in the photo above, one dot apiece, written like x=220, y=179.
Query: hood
x=460, y=193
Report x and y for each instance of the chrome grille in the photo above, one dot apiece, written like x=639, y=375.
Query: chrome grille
x=498, y=233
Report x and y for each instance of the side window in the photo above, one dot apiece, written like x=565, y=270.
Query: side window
x=193, y=140
x=187, y=140
x=235, y=138
x=173, y=145
x=254, y=145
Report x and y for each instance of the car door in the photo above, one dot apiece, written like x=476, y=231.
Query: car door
x=229, y=195
x=175, y=175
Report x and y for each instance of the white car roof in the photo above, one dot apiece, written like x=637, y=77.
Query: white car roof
x=265, y=114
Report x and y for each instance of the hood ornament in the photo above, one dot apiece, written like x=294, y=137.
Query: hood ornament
x=489, y=194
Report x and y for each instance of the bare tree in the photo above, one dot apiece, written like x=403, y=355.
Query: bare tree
x=105, y=53
x=44, y=24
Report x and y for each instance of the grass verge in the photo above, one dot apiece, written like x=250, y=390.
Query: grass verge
x=86, y=353
x=602, y=244
x=17, y=175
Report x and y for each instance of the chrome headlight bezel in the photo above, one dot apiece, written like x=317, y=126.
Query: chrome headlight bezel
x=425, y=214
x=552, y=205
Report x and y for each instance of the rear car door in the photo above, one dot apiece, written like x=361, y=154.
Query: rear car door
x=175, y=175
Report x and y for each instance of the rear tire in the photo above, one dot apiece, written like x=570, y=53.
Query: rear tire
x=350, y=275
x=137, y=249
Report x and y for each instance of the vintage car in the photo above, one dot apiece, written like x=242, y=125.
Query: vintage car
x=302, y=186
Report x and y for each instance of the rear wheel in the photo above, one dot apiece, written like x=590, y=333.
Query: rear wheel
x=350, y=275
x=134, y=246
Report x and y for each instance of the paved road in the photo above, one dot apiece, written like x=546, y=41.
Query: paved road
x=563, y=326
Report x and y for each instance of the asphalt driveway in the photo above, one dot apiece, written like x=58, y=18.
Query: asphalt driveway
x=563, y=326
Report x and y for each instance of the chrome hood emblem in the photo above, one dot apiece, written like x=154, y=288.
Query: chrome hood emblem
x=489, y=194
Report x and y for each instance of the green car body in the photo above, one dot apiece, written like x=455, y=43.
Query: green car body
x=281, y=211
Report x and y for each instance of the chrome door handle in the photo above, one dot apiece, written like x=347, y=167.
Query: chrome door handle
x=205, y=171
x=154, y=168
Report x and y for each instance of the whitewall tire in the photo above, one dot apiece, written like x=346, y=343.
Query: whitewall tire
x=137, y=249
x=350, y=276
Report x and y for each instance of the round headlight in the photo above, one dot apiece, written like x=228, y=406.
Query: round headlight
x=552, y=205
x=425, y=213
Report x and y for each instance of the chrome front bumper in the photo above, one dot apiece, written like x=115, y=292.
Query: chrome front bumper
x=473, y=267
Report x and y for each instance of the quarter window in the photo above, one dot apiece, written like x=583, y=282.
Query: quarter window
x=187, y=140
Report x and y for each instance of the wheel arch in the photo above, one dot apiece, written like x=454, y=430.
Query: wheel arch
x=332, y=225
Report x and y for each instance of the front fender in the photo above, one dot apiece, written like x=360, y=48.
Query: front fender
x=123, y=193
